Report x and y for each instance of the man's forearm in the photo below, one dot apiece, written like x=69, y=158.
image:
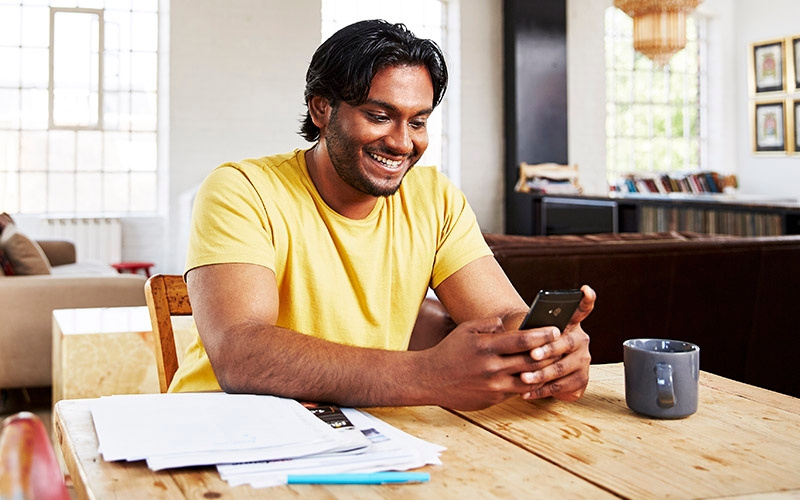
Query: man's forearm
x=285, y=363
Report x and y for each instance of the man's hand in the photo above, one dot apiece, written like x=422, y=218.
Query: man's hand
x=479, y=364
x=566, y=376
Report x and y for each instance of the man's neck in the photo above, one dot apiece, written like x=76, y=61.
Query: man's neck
x=340, y=196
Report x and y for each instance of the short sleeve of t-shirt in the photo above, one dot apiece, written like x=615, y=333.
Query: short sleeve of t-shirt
x=229, y=222
x=461, y=241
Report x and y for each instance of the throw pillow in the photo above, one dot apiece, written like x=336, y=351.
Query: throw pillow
x=25, y=255
x=5, y=220
x=5, y=265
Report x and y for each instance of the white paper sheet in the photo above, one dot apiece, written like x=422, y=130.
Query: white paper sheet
x=178, y=430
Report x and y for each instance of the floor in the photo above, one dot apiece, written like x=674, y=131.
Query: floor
x=36, y=400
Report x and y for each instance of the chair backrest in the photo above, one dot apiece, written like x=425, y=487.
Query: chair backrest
x=166, y=296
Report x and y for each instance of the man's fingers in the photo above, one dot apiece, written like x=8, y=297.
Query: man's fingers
x=521, y=341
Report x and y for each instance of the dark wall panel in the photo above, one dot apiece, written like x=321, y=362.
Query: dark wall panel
x=535, y=99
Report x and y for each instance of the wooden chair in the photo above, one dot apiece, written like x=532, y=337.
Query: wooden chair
x=166, y=296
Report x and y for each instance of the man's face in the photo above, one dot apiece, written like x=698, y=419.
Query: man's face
x=373, y=145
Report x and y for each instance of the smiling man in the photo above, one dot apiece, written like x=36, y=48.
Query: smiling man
x=306, y=270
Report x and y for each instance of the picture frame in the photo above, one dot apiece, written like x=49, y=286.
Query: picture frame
x=769, y=126
x=792, y=128
x=767, y=66
x=793, y=62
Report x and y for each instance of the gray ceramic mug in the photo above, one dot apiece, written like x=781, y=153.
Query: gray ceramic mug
x=661, y=377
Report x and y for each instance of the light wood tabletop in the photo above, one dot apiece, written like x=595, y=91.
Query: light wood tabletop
x=743, y=441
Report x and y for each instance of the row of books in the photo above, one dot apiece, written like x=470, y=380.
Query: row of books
x=711, y=221
x=693, y=183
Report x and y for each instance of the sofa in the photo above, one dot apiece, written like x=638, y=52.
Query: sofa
x=27, y=302
x=735, y=297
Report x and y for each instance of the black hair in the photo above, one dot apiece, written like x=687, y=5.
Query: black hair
x=342, y=67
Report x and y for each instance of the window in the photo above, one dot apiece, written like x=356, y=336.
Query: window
x=426, y=19
x=655, y=117
x=78, y=106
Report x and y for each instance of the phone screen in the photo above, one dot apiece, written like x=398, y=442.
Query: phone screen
x=552, y=308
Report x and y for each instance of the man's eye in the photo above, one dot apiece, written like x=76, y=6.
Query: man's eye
x=419, y=124
x=378, y=118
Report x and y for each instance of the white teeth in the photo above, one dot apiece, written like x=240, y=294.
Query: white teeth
x=387, y=161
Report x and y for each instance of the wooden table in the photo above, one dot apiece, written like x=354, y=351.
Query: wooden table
x=743, y=441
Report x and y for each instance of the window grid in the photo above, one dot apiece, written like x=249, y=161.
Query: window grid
x=74, y=169
x=426, y=19
x=655, y=117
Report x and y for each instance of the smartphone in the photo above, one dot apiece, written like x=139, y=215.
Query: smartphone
x=552, y=308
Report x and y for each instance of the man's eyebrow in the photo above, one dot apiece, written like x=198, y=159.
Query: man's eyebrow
x=391, y=107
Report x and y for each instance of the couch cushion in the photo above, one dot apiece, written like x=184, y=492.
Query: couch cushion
x=24, y=254
x=89, y=267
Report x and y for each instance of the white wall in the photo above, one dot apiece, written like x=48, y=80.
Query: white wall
x=755, y=21
x=237, y=73
x=482, y=142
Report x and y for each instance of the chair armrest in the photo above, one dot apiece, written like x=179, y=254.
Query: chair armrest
x=58, y=252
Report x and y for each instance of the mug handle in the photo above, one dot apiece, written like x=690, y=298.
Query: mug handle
x=666, y=393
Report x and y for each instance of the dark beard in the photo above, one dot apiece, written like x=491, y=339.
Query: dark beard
x=344, y=157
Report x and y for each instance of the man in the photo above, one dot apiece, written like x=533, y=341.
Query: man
x=306, y=270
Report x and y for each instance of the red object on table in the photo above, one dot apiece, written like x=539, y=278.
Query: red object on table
x=133, y=267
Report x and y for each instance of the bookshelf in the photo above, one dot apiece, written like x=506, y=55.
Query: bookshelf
x=732, y=214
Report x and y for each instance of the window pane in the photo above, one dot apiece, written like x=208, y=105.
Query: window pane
x=90, y=151
x=9, y=192
x=61, y=192
x=34, y=109
x=10, y=16
x=143, y=194
x=143, y=111
x=144, y=31
x=143, y=71
x=76, y=38
x=32, y=192
x=143, y=152
x=116, y=153
x=88, y=192
x=10, y=62
x=62, y=150
x=35, y=72
x=9, y=108
x=9, y=152
x=35, y=26
x=33, y=151
x=116, y=195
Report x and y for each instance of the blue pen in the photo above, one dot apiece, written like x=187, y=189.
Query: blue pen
x=372, y=478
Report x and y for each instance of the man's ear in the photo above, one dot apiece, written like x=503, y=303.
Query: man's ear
x=319, y=108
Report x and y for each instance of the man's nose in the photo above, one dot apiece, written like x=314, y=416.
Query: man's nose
x=399, y=139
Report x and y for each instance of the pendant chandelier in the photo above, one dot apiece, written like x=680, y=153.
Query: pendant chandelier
x=659, y=26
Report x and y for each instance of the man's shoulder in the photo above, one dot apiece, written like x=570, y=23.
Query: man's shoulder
x=266, y=163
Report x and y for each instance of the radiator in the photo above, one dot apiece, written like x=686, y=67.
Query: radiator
x=95, y=238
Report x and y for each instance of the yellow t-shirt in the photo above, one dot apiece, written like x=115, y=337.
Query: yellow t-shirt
x=356, y=282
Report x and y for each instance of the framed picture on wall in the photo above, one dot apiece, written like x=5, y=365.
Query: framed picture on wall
x=793, y=60
x=769, y=127
x=794, y=129
x=767, y=67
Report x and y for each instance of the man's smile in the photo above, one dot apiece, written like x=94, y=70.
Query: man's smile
x=391, y=164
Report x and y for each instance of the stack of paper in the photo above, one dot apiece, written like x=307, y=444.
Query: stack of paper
x=257, y=440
